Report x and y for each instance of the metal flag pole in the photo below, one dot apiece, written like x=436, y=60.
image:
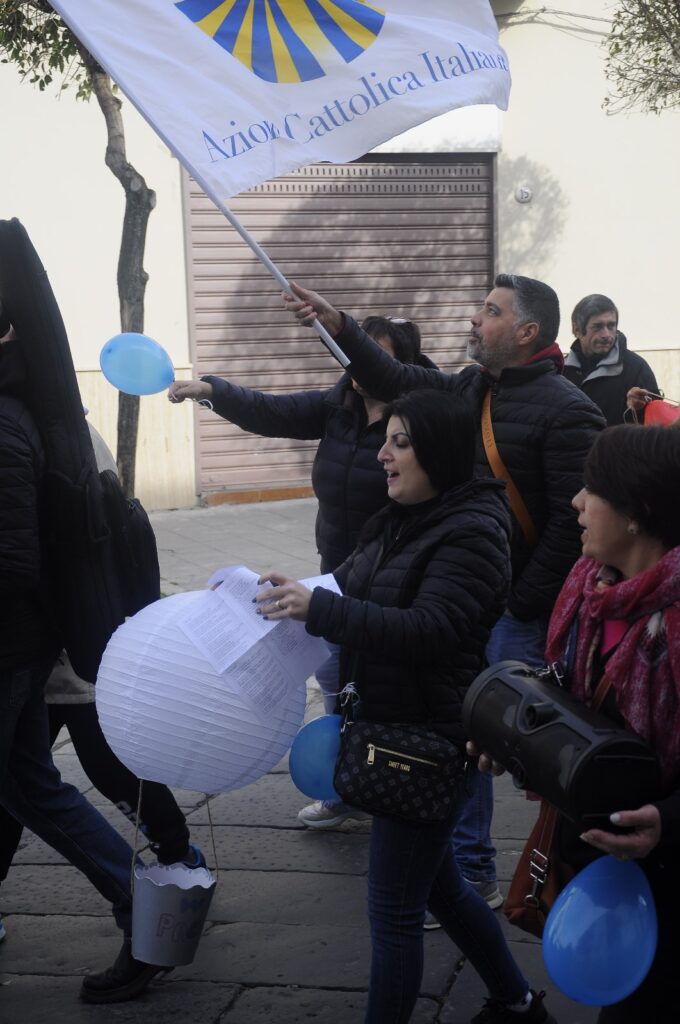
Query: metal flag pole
x=334, y=349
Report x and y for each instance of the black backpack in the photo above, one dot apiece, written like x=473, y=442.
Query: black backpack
x=100, y=552
x=133, y=544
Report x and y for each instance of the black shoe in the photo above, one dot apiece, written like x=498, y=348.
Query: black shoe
x=496, y=1012
x=126, y=979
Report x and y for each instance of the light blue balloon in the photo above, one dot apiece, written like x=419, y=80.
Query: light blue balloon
x=313, y=756
x=600, y=937
x=136, y=364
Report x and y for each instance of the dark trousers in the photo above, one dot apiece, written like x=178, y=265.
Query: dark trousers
x=161, y=819
x=32, y=792
x=413, y=867
x=657, y=1000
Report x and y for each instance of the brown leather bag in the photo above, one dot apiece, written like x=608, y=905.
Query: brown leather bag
x=541, y=874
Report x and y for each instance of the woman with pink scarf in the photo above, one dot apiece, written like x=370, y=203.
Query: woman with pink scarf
x=619, y=613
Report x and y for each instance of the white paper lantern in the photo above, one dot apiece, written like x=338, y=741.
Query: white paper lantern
x=170, y=717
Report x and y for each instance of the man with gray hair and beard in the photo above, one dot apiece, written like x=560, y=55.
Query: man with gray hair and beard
x=534, y=431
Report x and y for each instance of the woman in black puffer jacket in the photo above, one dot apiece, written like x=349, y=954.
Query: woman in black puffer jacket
x=421, y=593
x=347, y=480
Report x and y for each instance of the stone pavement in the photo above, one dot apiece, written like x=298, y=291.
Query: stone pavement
x=287, y=938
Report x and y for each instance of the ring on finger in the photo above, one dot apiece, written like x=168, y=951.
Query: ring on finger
x=278, y=605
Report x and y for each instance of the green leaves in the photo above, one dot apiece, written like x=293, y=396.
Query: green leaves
x=643, y=62
x=45, y=51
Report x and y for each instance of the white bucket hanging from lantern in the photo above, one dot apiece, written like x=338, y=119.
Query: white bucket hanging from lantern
x=170, y=717
x=170, y=904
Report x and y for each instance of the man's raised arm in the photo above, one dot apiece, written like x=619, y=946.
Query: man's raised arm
x=377, y=372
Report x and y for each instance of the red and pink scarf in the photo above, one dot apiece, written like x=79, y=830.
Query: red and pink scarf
x=644, y=669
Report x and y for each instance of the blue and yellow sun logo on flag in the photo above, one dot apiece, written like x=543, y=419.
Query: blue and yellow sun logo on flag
x=288, y=40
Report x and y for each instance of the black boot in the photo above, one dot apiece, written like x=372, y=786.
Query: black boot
x=125, y=979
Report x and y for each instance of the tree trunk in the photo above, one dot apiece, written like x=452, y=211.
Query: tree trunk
x=132, y=278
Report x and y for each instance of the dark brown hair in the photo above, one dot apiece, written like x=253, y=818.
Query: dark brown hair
x=404, y=335
x=442, y=431
x=637, y=470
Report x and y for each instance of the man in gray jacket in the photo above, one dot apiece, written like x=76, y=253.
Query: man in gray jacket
x=600, y=362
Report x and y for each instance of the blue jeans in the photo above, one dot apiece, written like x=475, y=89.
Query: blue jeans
x=32, y=791
x=161, y=820
x=510, y=639
x=413, y=867
x=328, y=676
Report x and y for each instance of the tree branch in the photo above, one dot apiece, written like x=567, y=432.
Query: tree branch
x=132, y=277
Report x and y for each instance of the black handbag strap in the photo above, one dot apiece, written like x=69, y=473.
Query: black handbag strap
x=353, y=662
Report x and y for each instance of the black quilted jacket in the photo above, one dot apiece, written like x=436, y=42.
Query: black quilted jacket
x=348, y=480
x=543, y=426
x=419, y=631
x=26, y=634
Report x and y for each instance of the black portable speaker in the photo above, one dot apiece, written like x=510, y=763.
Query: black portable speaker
x=554, y=745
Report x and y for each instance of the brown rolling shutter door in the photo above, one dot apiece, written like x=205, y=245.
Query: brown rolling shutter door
x=394, y=235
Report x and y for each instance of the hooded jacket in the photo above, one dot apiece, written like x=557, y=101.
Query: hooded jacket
x=608, y=381
x=347, y=478
x=420, y=625
x=543, y=427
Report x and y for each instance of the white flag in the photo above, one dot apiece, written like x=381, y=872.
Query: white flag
x=246, y=90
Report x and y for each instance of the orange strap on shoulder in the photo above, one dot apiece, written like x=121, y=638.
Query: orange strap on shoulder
x=498, y=469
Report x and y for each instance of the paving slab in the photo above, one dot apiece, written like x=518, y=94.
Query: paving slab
x=60, y=890
x=60, y=944
x=302, y=898
x=270, y=849
x=273, y=800
x=25, y=999
x=333, y=955
x=296, y=1005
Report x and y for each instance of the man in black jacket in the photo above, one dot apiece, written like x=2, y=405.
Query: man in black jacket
x=542, y=427
x=600, y=362
x=31, y=788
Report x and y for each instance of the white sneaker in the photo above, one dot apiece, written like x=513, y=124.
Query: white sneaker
x=489, y=891
x=328, y=814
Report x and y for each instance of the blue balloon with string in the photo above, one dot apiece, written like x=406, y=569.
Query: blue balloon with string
x=136, y=364
x=313, y=755
x=600, y=936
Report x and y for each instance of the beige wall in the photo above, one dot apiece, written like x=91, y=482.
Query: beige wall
x=604, y=213
x=666, y=366
x=165, y=476
x=53, y=177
